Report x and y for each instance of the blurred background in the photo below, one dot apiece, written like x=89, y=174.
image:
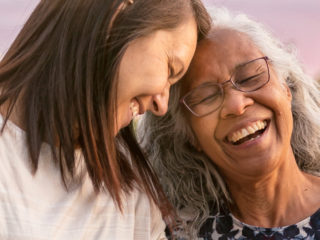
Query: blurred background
x=293, y=21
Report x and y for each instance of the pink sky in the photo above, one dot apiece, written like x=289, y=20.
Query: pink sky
x=293, y=21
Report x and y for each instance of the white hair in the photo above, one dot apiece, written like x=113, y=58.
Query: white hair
x=190, y=179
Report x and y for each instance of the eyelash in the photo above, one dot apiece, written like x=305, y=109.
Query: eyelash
x=171, y=72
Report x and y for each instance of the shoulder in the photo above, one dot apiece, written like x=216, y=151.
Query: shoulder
x=148, y=215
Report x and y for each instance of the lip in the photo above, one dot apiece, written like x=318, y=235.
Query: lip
x=253, y=142
x=244, y=125
x=129, y=115
x=140, y=107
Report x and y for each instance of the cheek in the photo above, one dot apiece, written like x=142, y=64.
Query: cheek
x=141, y=74
x=207, y=143
x=153, y=79
x=285, y=118
x=278, y=101
x=141, y=83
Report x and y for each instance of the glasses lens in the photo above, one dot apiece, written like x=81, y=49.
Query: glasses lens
x=204, y=99
x=251, y=76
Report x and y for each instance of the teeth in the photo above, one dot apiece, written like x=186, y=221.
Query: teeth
x=251, y=130
x=135, y=112
x=244, y=132
x=134, y=109
x=236, y=136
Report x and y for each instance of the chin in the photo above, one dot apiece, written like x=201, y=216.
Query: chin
x=260, y=167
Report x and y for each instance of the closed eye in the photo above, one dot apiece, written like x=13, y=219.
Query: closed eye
x=209, y=98
x=246, y=80
x=206, y=100
x=171, y=72
x=175, y=69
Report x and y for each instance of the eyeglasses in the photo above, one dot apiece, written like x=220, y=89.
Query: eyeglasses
x=247, y=77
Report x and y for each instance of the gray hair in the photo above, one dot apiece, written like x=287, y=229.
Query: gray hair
x=190, y=179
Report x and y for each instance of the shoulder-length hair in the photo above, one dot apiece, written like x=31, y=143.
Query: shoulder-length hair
x=61, y=73
x=190, y=179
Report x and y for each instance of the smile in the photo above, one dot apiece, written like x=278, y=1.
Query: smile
x=248, y=133
x=134, y=107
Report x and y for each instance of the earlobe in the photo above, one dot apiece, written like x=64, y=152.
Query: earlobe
x=199, y=149
x=196, y=145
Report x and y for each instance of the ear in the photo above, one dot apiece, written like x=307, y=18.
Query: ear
x=288, y=91
x=287, y=88
x=198, y=147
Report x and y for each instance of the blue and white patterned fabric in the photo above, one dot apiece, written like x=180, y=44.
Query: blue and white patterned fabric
x=227, y=227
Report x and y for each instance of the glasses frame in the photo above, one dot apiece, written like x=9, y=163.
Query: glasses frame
x=221, y=86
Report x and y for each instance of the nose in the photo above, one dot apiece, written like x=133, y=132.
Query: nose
x=235, y=103
x=159, y=105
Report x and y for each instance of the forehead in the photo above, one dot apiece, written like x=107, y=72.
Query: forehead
x=218, y=55
x=176, y=43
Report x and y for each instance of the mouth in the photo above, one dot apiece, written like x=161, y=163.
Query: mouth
x=136, y=108
x=248, y=133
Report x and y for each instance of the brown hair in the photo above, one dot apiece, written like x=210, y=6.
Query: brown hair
x=62, y=68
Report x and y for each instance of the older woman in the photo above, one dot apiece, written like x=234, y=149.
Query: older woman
x=238, y=152
x=70, y=84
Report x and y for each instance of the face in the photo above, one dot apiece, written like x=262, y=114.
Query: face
x=249, y=134
x=150, y=66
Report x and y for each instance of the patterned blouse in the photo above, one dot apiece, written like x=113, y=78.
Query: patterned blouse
x=227, y=227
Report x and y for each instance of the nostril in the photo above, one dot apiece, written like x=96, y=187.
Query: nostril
x=155, y=106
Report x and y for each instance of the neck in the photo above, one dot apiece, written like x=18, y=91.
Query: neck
x=283, y=197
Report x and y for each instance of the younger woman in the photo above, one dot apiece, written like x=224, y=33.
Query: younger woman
x=77, y=73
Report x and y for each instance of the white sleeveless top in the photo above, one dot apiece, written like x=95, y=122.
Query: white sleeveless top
x=34, y=207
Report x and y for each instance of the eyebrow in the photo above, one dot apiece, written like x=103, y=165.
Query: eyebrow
x=242, y=64
x=204, y=84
